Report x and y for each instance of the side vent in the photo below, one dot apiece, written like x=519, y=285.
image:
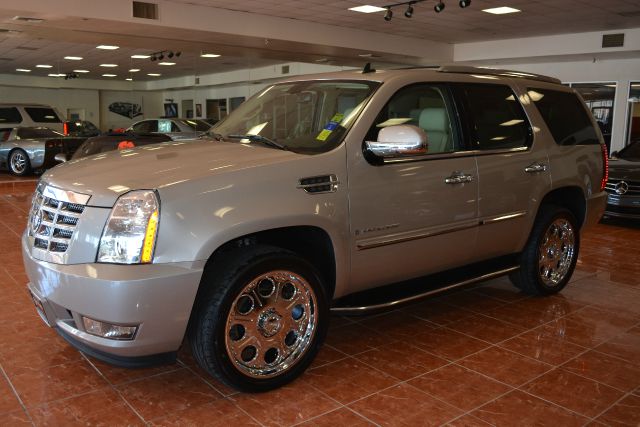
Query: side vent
x=613, y=40
x=319, y=184
x=284, y=69
x=145, y=10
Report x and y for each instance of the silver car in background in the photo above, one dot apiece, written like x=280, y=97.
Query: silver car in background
x=175, y=128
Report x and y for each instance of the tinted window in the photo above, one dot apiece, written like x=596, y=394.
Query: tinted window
x=496, y=118
x=146, y=126
x=631, y=152
x=198, y=125
x=42, y=114
x=28, y=133
x=166, y=126
x=10, y=115
x=565, y=117
x=422, y=105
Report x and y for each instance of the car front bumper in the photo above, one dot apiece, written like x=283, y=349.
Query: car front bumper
x=157, y=298
x=623, y=206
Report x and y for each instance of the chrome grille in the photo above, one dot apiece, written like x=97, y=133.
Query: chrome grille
x=623, y=187
x=52, y=221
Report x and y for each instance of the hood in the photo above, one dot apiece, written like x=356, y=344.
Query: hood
x=108, y=175
x=624, y=169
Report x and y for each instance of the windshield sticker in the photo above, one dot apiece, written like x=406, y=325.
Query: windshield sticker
x=330, y=127
x=322, y=136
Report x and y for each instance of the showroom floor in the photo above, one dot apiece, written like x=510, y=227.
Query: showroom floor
x=484, y=356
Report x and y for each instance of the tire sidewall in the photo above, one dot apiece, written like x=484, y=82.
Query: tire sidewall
x=261, y=265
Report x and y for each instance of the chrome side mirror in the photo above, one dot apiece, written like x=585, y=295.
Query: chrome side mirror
x=60, y=157
x=399, y=141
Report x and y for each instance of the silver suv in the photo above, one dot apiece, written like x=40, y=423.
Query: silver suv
x=314, y=195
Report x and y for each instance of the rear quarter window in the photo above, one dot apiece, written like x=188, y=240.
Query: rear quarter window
x=10, y=115
x=565, y=116
x=42, y=114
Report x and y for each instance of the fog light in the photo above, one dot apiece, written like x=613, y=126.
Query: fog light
x=107, y=330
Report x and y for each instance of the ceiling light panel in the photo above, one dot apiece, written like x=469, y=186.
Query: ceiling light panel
x=23, y=70
x=44, y=66
x=134, y=70
x=107, y=47
x=109, y=65
x=81, y=71
x=166, y=63
x=366, y=8
x=140, y=56
x=74, y=58
x=109, y=75
x=209, y=55
x=501, y=10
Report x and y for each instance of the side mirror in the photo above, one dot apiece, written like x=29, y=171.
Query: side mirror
x=399, y=141
x=60, y=157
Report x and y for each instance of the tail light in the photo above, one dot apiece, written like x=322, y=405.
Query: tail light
x=65, y=128
x=605, y=166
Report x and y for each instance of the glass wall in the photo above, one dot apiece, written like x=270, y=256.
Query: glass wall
x=599, y=98
x=633, y=123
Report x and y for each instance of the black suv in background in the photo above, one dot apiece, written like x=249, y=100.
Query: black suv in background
x=623, y=186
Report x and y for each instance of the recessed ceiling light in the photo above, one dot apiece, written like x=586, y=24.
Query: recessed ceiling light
x=166, y=63
x=366, y=8
x=73, y=58
x=109, y=65
x=141, y=56
x=209, y=55
x=80, y=71
x=154, y=74
x=501, y=10
x=107, y=47
x=109, y=75
x=129, y=79
x=44, y=66
x=23, y=70
x=134, y=70
x=56, y=75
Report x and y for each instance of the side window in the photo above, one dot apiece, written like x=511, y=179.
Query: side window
x=5, y=134
x=42, y=114
x=146, y=126
x=175, y=128
x=427, y=106
x=496, y=118
x=165, y=126
x=10, y=115
x=565, y=116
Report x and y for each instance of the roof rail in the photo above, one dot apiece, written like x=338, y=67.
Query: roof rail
x=465, y=69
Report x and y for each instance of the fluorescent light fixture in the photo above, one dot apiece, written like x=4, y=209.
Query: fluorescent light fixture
x=74, y=58
x=107, y=47
x=109, y=75
x=109, y=65
x=501, y=10
x=154, y=74
x=56, y=75
x=166, y=63
x=129, y=79
x=44, y=66
x=134, y=70
x=23, y=70
x=140, y=56
x=209, y=55
x=366, y=8
x=81, y=71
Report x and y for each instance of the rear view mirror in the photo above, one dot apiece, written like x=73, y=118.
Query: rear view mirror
x=60, y=157
x=399, y=141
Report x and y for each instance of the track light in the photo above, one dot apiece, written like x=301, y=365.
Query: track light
x=409, y=12
x=170, y=54
x=161, y=57
x=153, y=57
x=178, y=54
x=388, y=14
x=464, y=3
x=439, y=7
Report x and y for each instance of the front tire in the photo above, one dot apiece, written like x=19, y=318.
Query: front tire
x=19, y=163
x=261, y=320
x=549, y=257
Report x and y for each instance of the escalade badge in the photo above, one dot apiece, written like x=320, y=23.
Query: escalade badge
x=621, y=187
x=36, y=221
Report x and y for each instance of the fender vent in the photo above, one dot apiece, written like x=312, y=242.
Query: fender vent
x=613, y=40
x=319, y=184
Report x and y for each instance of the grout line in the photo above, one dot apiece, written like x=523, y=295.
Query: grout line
x=15, y=393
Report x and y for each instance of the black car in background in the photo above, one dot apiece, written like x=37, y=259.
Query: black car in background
x=117, y=141
x=80, y=128
x=623, y=186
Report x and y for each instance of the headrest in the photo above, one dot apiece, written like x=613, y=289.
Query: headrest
x=434, y=119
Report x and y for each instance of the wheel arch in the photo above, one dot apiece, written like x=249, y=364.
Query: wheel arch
x=571, y=198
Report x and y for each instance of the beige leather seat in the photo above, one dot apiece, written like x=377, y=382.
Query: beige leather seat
x=435, y=123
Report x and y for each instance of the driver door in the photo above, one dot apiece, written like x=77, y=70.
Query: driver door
x=408, y=216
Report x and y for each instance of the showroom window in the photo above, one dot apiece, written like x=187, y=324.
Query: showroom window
x=10, y=115
x=633, y=126
x=42, y=115
x=565, y=116
x=599, y=98
x=496, y=117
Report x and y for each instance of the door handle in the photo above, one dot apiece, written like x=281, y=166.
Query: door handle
x=536, y=168
x=458, y=178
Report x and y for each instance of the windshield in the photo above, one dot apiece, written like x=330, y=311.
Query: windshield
x=306, y=117
x=30, y=133
x=631, y=152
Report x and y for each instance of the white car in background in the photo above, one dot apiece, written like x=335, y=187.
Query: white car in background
x=29, y=115
x=175, y=128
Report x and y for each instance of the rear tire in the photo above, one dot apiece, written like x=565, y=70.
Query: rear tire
x=19, y=163
x=549, y=257
x=261, y=320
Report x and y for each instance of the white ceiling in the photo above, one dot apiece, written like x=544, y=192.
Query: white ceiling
x=49, y=42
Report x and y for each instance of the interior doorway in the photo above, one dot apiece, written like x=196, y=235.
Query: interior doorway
x=187, y=108
x=216, y=108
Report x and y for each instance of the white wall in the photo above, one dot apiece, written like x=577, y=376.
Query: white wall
x=151, y=103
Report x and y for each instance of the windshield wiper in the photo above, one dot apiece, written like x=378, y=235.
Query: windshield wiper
x=262, y=139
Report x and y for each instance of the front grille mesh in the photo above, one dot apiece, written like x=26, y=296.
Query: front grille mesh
x=632, y=187
x=52, y=222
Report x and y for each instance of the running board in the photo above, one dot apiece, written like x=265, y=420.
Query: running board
x=387, y=297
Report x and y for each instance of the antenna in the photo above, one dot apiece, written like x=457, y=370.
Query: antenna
x=367, y=68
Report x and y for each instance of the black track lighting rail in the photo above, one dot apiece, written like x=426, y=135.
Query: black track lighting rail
x=160, y=55
x=439, y=7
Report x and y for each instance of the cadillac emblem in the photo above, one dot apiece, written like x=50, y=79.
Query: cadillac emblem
x=36, y=221
x=621, y=188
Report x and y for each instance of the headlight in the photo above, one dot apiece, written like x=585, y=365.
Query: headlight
x=130, y=234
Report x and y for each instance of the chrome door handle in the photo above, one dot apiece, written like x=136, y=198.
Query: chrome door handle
x=458, y=178
x=536, y=168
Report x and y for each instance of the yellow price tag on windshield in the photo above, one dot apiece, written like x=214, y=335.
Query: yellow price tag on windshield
x=322, y=136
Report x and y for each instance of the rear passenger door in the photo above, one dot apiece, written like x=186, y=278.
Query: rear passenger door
x=513, y=168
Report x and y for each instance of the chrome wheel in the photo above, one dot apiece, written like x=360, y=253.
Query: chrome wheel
x=18, y=162
x=271, y=324
x=556, y=252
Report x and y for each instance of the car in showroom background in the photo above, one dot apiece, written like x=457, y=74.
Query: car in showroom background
x=623, y=185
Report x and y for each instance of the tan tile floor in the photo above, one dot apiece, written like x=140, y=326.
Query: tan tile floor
x=488, y=355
